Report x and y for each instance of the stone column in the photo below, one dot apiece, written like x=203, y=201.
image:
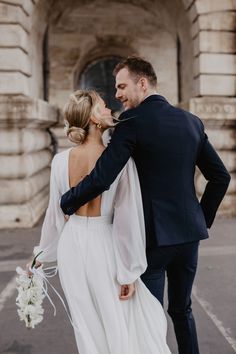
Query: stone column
x=15, y=63
x=213, y=29
x=25, y=156
x=219, y=117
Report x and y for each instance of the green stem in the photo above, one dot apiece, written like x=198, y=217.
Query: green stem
x=34, y=260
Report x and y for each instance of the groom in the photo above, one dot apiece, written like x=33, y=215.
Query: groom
x=166, y=144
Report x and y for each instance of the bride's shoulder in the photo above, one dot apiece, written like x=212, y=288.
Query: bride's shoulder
x=60, y=157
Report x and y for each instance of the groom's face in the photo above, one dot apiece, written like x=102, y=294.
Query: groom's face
x=128, y=89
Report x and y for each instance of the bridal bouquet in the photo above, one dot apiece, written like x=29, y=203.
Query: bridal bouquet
x=32, y=289
x=30, y=296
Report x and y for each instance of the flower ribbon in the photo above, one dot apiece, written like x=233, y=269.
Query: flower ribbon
x=44, y=274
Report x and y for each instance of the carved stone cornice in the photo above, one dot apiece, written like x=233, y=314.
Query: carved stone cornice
x=216, y=111
x=22, y=111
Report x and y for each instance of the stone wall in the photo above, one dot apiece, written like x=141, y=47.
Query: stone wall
x=25, y=157
x=25, y=143
x=14, y=29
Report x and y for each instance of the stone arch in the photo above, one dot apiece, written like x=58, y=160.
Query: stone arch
x=114, y=40
x=109, y=46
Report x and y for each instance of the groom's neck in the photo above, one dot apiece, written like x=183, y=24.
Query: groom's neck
x=150, y=93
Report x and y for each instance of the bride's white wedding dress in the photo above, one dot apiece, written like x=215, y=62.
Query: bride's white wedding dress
x=97, y=254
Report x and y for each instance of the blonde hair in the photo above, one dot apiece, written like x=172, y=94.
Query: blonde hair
x=77, y=113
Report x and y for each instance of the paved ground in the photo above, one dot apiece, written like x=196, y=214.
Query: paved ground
x=214, y=298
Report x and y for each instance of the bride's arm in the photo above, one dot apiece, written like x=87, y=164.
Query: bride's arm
x=128, y=227
x=53, y=221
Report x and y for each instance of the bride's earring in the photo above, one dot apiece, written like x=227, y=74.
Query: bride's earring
x=99, y=126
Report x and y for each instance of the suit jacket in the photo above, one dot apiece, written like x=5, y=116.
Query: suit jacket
x=166, y=144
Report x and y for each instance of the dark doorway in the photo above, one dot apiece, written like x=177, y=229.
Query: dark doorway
x=98, y=76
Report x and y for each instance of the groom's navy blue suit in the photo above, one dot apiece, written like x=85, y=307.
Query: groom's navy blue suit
x=166, y=144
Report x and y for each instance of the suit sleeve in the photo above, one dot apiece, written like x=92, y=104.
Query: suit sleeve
x=106, y=169
x=217, y=176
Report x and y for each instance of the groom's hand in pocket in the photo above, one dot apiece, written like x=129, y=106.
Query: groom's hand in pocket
x=126, y=291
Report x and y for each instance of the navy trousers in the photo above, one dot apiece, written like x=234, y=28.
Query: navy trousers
x=179, y=262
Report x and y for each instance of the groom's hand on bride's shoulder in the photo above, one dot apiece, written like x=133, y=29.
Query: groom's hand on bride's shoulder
x=126, y=291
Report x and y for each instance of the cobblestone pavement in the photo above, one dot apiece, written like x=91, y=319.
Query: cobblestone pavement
x=214, y=297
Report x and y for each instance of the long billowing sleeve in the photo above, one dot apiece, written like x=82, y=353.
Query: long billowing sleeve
x=54, y=220
x=128, y=227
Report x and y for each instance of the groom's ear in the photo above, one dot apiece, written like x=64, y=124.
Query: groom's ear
x=143, y=83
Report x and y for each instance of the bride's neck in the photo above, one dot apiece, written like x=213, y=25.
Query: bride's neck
x=94, y=136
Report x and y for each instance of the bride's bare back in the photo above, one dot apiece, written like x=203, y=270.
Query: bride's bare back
x=82, y=160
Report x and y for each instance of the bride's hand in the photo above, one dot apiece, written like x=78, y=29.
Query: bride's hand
x=28, y=266
x=126, y=291
x=66, y=217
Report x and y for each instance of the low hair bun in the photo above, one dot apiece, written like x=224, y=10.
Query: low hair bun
x=76, y=135
x=77, y=113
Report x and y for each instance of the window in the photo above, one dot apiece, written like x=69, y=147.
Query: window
x=98, y=76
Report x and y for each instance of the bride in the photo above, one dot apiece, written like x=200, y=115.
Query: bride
x=100, y=250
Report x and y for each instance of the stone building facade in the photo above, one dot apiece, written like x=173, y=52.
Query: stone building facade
x=45, y=46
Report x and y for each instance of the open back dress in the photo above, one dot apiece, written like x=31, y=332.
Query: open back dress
x=96, y=255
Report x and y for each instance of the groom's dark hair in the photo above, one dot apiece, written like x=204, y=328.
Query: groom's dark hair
x=138, y=67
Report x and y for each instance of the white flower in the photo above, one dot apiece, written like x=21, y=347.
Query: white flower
x=66, y=126
x=30, y=298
